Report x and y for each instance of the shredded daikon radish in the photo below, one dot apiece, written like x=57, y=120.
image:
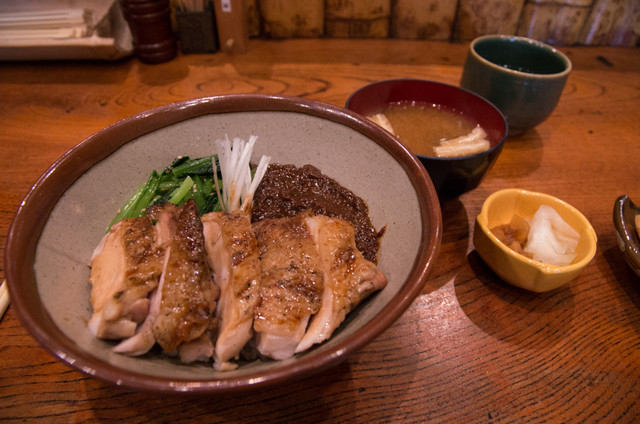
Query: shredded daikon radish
x=237, y=185
x=551, y=240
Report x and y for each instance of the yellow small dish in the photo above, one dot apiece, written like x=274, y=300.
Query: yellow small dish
x=499, y=208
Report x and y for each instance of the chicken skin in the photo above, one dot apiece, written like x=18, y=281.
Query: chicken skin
x=232, y=253
x=348, y=277
x=291, y=284
x=125, y=268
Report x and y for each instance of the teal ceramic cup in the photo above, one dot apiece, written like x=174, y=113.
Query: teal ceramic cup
x=524, y=78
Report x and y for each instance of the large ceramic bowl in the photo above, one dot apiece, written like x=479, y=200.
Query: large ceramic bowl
x=64, y=216
x=451, y=176
x=516, y=269
x=625, y=214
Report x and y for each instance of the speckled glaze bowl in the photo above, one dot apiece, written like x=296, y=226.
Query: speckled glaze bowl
x=624, y=215
x=451, y=176
x=523, y=77
x=514, y=268
x=64, y=216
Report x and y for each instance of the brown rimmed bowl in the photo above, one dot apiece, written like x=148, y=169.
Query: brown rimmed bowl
x=64, y=216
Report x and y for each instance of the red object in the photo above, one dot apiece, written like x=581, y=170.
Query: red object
x=450, y=176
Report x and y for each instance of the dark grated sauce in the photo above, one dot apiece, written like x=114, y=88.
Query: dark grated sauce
x=287, y=190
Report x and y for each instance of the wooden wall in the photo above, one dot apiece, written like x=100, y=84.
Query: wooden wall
x=559, y=22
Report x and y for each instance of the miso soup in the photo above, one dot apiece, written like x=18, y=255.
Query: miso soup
x=422, y=127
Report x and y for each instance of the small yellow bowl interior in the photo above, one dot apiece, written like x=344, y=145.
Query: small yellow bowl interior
x=499, y=208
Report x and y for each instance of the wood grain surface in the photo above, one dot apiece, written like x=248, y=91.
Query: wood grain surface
x=470, y=348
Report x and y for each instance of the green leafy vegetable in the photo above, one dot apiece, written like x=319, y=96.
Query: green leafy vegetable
x=182, y=180
x=182, y=191
x=215, y=184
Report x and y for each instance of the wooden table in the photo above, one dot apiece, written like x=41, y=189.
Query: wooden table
x=470, y=348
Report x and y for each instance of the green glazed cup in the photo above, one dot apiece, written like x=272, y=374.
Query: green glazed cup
x=524, y=78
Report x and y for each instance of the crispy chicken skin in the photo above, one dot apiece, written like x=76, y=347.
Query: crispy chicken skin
x=144, y=339
x=125, y=268
x=182, y=306
x=232, y=253
x=188, y=296
x=291, y=284
x=348, y=277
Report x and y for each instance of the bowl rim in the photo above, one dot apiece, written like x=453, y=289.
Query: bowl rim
x=563, y=74
x=29, y=220
x=498, y=146
x=626, y=231
x=545, y=268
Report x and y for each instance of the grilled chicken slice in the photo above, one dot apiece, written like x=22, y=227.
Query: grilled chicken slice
x=182, y=306
x=232, y=253
x=125, y=268
x=348, y=277
x=200, y=349
x=188, y=295
x=144, y=339
x=291, y=284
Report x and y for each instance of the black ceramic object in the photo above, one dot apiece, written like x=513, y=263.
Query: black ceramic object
x=624, y=221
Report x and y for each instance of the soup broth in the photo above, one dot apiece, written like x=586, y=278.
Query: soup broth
x=421, y=127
